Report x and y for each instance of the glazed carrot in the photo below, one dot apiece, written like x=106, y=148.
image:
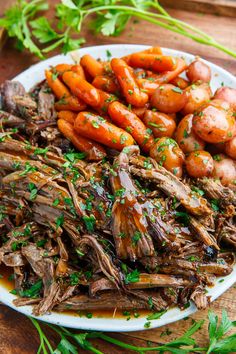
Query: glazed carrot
x=151, y=50
x=78, y=70
x=94, y=150
x=139, y=111
x=151, y=83
x=91, y=65
x=126, y=119
x=127, y=81
x=97, y=128
x=66, y=100
x=58, y=88
x=81, y=88
x=70, y=103
x=106, y=83
x=105, y=100
x=180, y=82
x=69, y=116
x=61, y=68
x=158, y=63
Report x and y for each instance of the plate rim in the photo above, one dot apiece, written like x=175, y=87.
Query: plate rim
x=110, y=324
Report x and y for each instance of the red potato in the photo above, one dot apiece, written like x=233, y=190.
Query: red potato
x=154, y=62
x=198, y=71
x=199, y=164
x=81, y=88
x=224, y=169
x=127, y=81
x=160, y=123
x=97, y=128
x=168, y=98
x=230, y=148
x=185, y=136
x=214, y=124
x=197, y=95
x=94, y=151
x=227, y=94
x=168, y=154
x=127, y=120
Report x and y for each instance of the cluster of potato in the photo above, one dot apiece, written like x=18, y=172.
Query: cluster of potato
x=142, y=99
x=204, y=140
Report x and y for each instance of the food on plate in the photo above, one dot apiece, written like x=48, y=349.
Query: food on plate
x=227, y=94
x=168, y=154
x=198, y=71
x=199, y=164
x=224, y=169
x=168, y=98
x=185, y=136
x=197, y=95
x=114, y=191
x=161, y=124
x=213, y=123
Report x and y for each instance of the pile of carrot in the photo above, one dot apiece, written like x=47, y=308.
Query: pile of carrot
x=100, y=103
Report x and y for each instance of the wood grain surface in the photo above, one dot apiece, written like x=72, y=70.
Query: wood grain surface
x=17, y=335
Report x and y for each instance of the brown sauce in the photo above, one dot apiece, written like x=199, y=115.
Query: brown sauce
x=5, y=278
x=7, y=283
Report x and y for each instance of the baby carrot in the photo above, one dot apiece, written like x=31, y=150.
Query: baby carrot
x=94, y=150
x=58, y=88
x=151, y=50
x=81, y=88
x=106, y=83
x=92, y=66
x=66, y=100
x=78, y=70
x=70, y=103
x=127, y=81
x=158, y=63
x=61, y=68
x=97, y=128
x=126, y=119
x=69, y=116
x=150, y=84
x=180, y=82
x=105, y=100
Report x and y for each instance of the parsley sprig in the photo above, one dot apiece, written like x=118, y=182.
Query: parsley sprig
x=70, y=341
x=109, y=18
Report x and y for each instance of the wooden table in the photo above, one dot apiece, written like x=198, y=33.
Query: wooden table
x=16, y=332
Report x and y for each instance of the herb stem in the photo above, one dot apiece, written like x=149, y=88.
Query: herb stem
x=173, y=24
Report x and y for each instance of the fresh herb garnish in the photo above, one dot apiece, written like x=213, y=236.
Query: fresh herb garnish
x=110, y=18
x=218, y=341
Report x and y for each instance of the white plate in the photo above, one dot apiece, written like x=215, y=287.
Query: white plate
x=35, y=74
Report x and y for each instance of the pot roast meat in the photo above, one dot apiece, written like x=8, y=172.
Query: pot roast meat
x=105, y=301
x=171, y=185
x=129, y=225
x=46, y=101
x=8, y=91
x=215, y=190
x=146, y=281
